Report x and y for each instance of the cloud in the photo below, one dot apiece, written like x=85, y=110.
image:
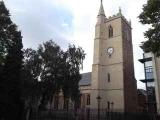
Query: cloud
x=65, y=25
x=40, y=21
x=73, y=21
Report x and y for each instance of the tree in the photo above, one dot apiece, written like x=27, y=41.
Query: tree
x=31, y=86
x=51, y=75
x=74, y=62
x=55, y=69
x=11, y=60
x=151, y=16
x=4, y=22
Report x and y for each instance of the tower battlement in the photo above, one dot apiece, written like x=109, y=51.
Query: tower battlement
x=118, y=15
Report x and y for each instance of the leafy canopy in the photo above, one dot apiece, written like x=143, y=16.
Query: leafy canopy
x=53, y=70
x=151, y=16
x=11, y=56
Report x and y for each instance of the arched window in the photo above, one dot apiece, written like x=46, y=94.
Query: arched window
x=88, y=99
x=109, y=77
x=66, y=103
x=110, y=30
x=56, y=102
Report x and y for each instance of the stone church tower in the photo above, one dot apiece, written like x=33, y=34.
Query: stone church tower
x=113, y=68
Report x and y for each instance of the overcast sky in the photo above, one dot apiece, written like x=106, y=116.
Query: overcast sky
x=73, y=21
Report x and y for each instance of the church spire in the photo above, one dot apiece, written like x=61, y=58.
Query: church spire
x=101, y=15
x=101, y=10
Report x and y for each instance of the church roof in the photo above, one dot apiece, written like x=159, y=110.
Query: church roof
x=86, y=79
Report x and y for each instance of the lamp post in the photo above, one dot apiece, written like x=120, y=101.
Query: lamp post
x=98, y=101
x=112, y=106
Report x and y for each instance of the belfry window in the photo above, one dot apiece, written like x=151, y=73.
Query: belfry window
x=110, y=30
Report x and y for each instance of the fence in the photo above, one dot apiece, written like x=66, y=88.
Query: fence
x=91, y=115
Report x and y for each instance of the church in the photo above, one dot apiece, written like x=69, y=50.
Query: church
x=111, y=84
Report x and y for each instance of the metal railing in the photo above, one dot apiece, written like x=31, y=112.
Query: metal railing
x=90, y=114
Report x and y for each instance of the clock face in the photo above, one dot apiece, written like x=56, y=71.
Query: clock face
x=110, y=50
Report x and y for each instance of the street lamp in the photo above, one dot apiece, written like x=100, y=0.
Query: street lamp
x=112, y=106
x=98, y=101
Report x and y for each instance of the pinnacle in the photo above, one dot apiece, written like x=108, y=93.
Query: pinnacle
x=101, y=10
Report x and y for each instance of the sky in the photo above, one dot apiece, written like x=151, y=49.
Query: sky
x=73, y=22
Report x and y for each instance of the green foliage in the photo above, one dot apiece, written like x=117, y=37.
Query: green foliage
x=55, y=70
x=151, y=16
x=74, y=62
x=31, y=71
x=11, y=57
x=5, y=37
x=51, y=74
